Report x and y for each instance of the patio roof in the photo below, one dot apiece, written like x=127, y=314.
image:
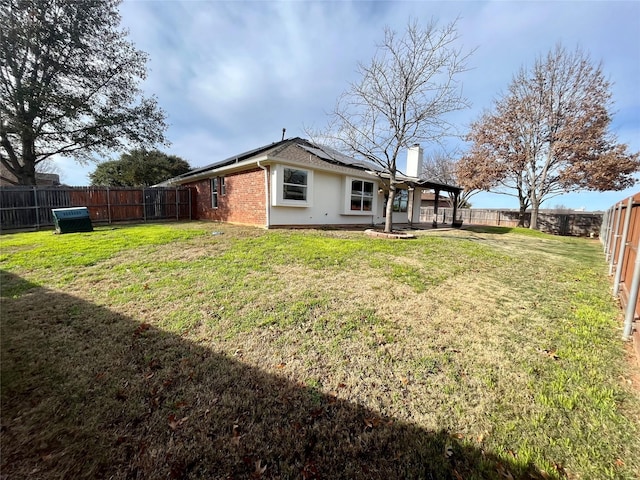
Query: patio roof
x=419, y=182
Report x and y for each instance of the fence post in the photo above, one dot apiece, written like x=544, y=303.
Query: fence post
x=177, y=206
x=612, y=216
x=623, y=247
x=604, y=236
x=37, y=206
x=109, y=205
x=144, y=206
x=611, y=251
x=633, y=297
x=614, y=246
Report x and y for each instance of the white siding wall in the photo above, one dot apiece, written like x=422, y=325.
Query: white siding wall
x=328, y=204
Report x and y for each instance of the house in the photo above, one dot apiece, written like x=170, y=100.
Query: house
x=428, y=199
x=297, y=183
x=8, y=179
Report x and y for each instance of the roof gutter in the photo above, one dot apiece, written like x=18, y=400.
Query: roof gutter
x=221, y=170
x=266, y=194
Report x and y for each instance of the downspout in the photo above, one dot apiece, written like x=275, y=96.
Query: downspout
x=266, y=194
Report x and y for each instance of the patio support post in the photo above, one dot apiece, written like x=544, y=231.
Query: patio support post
x=456, y=195
x=410, y=205
x=435, y=209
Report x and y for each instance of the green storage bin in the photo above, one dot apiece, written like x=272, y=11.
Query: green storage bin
x=70, y=220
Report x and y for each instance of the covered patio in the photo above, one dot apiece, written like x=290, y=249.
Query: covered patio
x=437, y=188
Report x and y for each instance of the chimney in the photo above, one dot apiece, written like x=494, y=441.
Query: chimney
x=414, y=161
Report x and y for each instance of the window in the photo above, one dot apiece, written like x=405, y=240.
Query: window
x=361, y=196
x=294, y=184
x=292, y=187
x=401, y=201
x=218, y=188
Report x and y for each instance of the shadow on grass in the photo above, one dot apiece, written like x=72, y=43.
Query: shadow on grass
x=89, y=393
x=488, y=229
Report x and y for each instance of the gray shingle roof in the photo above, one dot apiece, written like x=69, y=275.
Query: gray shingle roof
x=324, y=153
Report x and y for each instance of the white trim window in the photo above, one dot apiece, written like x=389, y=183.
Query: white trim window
x=218, y=189
x=361, y=198
x=294, y=186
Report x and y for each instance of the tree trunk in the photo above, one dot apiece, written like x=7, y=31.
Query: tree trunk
x=388, y=223
x=27, y=174
x=522, y=214
x=535, y=206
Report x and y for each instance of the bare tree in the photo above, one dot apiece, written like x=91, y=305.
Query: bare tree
x=441, y=167
x=69, y=85
x=401, y=99
x=480, y=168
x=48, y=166
x=548, y=135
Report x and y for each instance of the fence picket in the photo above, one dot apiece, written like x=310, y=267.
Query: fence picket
x=576, y=223
x=624, y=237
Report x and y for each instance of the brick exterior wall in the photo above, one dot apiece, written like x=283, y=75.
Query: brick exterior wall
x=244, y=201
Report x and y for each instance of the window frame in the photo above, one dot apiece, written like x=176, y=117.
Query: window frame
x=348, y=194
x=218, y=189
x=279, y=199
x=303, y=186
x=361, y=195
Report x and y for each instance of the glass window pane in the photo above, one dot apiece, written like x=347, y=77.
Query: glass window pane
x=214, y=192
x=294, y=192
x=361, y=195
x=297, y=177
x=401, y=201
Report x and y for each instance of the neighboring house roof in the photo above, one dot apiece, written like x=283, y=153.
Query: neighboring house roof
x=7, y=179
x=431, y=197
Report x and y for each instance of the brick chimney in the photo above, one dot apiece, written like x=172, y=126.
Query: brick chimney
x=414, y=161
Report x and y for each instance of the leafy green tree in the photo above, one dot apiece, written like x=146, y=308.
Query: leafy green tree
x=69, y=85
x=138, y=168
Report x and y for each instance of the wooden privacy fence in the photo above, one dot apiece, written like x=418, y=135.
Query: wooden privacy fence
x=30, y=207
x=574, y=224
x=620, y=237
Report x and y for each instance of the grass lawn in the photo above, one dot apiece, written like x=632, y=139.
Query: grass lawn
x=163, y=351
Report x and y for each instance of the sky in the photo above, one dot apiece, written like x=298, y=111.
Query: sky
x=232, y=75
